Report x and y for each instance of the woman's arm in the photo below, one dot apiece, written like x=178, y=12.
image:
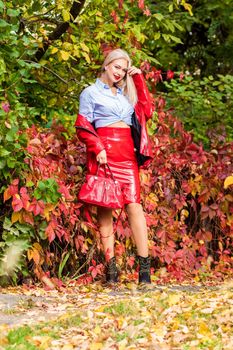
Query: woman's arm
x=84, y=128
x=87, y=134
x=144, y=99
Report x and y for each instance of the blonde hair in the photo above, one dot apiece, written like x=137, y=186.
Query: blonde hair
x=129, y=88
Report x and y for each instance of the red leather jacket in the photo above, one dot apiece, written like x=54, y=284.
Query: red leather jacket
x=143, y=111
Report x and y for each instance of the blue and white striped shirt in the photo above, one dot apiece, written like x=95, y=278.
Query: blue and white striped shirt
x=100, y=106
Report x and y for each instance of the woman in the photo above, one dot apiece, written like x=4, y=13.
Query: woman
x=111, y=110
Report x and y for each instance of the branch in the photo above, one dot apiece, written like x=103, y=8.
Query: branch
x=50, y=70
x=60, y=29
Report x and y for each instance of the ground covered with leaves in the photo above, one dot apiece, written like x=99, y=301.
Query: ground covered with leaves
x=124, y=317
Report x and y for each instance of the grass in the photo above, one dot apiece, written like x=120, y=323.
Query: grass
x=25, y=338
x=120, y=309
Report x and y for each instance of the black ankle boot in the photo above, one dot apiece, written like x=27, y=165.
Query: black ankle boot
x=144, y=270
x=111, y=271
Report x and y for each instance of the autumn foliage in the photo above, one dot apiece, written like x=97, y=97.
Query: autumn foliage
x=50, y=52
x=186, y=193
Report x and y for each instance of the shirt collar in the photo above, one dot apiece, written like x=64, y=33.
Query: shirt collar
x=102, y=85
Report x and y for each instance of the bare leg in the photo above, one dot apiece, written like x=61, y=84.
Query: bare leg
x=138, y=226
x=106, y=230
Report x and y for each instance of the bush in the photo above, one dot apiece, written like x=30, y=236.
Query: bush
x=203, y=105
x=188, y=209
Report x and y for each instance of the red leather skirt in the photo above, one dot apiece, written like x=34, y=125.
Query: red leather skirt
x=122, y=160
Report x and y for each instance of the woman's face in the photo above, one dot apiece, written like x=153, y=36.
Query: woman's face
x=116, y=70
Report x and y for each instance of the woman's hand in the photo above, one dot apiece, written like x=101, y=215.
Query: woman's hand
x=102, y=157
x=134, y=70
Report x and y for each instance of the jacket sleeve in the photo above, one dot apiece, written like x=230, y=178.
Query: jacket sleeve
x=144, y=99
x=87, y=134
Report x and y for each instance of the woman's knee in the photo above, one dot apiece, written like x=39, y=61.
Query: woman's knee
x=134, y=209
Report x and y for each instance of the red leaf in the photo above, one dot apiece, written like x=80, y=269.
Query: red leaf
x=115, y=16
x=37, y=207
x=120, y=249
x=182, y=76
x=17, y=204
x=130, y=261
x=170, y=74
x=96, y=270
x=50, y=231
x=141, y=4
x=120, y=2
x=78, y=241
x=162, y=234
x=93, y=262
x=147, y=12
x=169, y=255
x=27, y=217
x=11, y=190
x=65, y=192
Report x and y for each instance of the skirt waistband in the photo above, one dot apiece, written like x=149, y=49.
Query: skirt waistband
x=109, y=131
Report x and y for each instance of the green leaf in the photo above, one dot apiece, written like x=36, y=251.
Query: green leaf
x=3, y=24
x=158, y=16
x=175, y=39
x=157, y=36
x=166, y=37
x=13, y=13
x=4, y=152
x=11, y=162
x=7, y=224
x=2, y=6
x=2, y=164
x=171, y=8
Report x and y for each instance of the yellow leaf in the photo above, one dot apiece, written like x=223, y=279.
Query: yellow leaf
x=67, y=46
x=159, y=329
x=86, y=57
x=65, y=55
x=96, y=346
x=89, y=240
x=67, y=347
x=228, y=181
x=185, y=212
x=97, y=330
x=84, y=227
x=76, y=51
x=54, y=50
x=38, y=247
x=16, y=216
x=35, y=253
x=84, y=47
x=47, y=210
x=128, y=243
x=41, y=341
x=66, y=15
x=173, y=299
x=188, y=7
x=204, y=329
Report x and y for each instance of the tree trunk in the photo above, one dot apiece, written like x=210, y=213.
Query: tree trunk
x=60, y=29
